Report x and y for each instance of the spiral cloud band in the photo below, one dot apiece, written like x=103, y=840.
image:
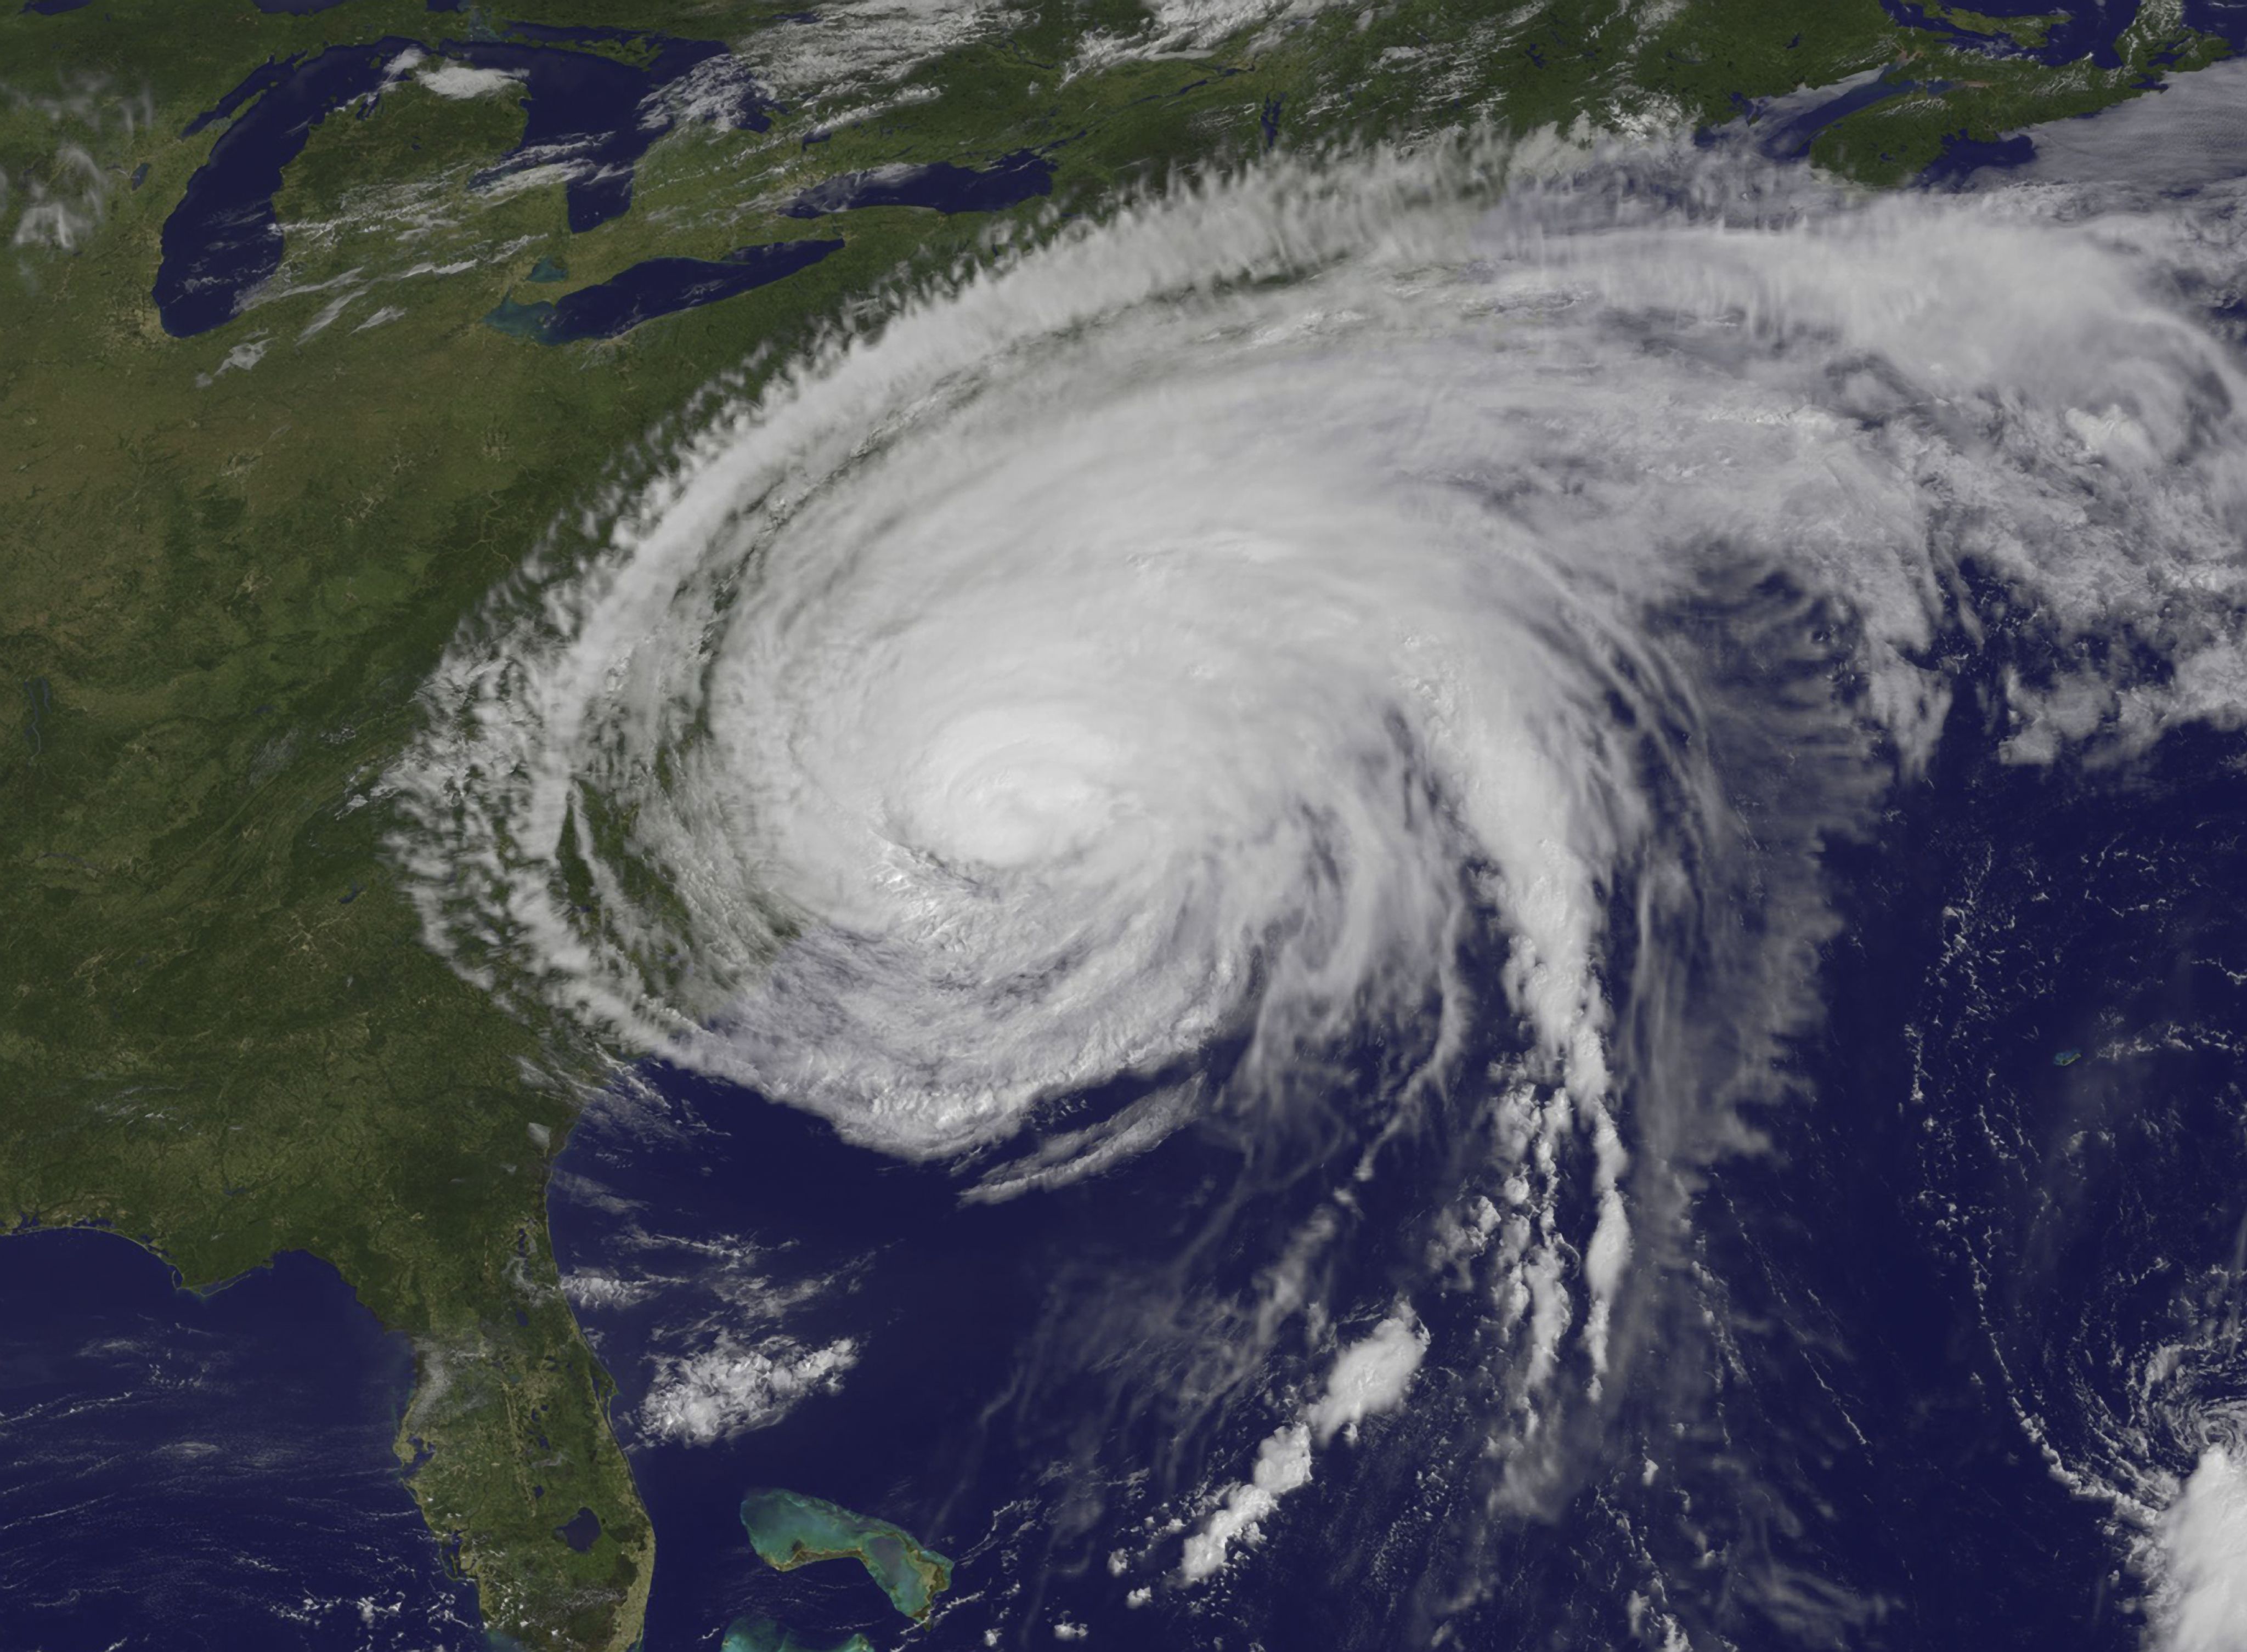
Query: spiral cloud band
x=1137, y=644
x=1120, y=688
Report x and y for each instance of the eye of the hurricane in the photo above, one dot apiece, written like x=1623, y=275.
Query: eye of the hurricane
x=1035, y=747
x=1059, y=682
x=1342, y=688
x=1008, y=789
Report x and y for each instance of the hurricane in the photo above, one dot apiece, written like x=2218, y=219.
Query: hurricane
x=1354, y=678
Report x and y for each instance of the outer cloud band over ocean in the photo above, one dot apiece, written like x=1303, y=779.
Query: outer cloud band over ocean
x=1178, y=636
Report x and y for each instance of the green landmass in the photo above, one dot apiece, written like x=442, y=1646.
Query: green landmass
x=2024, y=32
x=789, y=1529
x=231, y=560
x=763, y=1634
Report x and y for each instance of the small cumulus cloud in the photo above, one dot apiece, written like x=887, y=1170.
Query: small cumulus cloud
x=1369, y=1377
x=729, y=1388
x=458, y=80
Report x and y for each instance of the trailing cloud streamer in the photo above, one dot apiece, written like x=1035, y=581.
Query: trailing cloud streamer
x=1139, y=672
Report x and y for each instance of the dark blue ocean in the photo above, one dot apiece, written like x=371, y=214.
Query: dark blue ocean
x=2009, y=1152
x=205, y=1473
x=2017, y=1131
x=2023, y=1113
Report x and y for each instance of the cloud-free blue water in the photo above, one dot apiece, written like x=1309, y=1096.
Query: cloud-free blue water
x=205, y=1473
x=655, y=287
x=1952, y=1223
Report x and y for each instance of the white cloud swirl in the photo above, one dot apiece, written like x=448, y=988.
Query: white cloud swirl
x=1154, y=659
x=1097, y=658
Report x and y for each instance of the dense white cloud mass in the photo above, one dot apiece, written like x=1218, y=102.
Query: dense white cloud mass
x=457, y=81
x=2205, y=1534
x=2192, y=135
x=730, y=1388
x=1148, y=665
x=1371, y=1376
x=1132, y=649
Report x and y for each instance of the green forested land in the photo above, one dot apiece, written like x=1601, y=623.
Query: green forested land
x=221, y=585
